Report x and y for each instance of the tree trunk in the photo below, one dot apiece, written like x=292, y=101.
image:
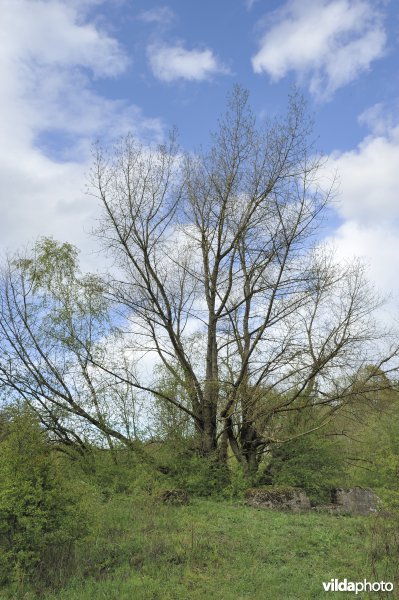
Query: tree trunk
x=211, y=390
x=249, y=441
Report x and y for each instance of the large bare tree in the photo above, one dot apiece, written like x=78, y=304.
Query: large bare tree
x=222, y=303
x=218, y=276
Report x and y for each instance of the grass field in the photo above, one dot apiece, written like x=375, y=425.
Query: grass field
x=139, y=549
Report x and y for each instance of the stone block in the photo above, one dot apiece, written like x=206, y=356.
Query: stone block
x=278, y=497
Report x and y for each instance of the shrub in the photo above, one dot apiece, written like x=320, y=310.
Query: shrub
x=39, y=520
x=201, y=476
x=238, y=482
x=312, y=463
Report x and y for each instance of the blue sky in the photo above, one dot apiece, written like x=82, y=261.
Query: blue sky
x=72, y=71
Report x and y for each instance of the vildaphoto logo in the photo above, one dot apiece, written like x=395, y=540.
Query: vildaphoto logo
x=335, y=585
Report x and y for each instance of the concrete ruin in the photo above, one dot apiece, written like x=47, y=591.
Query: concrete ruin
x=352, y=501
x=279, y=497
x=355, y=501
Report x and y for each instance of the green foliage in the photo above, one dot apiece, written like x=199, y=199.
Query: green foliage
x=66, y=297
x=169, y=421
x=119, y=472
x=52, y=266
x=199, y=475
x=39, y=520
x=237, y=484
x=375, y=451
x=313, y=463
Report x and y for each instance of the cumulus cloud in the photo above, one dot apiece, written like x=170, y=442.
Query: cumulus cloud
x=327, y=43
x=369, y=206
x=52, y=53
x=169, y=63
x=370, y=179
x=377, y=246
x=51, y=33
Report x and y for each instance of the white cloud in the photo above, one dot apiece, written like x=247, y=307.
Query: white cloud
x=326, y=42
x=51, y=55
x=370, y=179
x=377, y=246
x=169, y=63
x=369, y=202
x=52, y=34
x=381, y=118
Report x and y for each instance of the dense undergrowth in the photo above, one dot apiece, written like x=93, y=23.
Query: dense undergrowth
x=93, y=527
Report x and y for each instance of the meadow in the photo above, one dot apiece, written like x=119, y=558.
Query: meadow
x=137, y=548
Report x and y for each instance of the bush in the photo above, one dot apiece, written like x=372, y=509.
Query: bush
x=238, y=483
x=312, y=463
x=376, y=461
x=39, y=520
x=199, y=475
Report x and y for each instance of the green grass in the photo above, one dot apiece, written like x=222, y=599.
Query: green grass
x=138, y=549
